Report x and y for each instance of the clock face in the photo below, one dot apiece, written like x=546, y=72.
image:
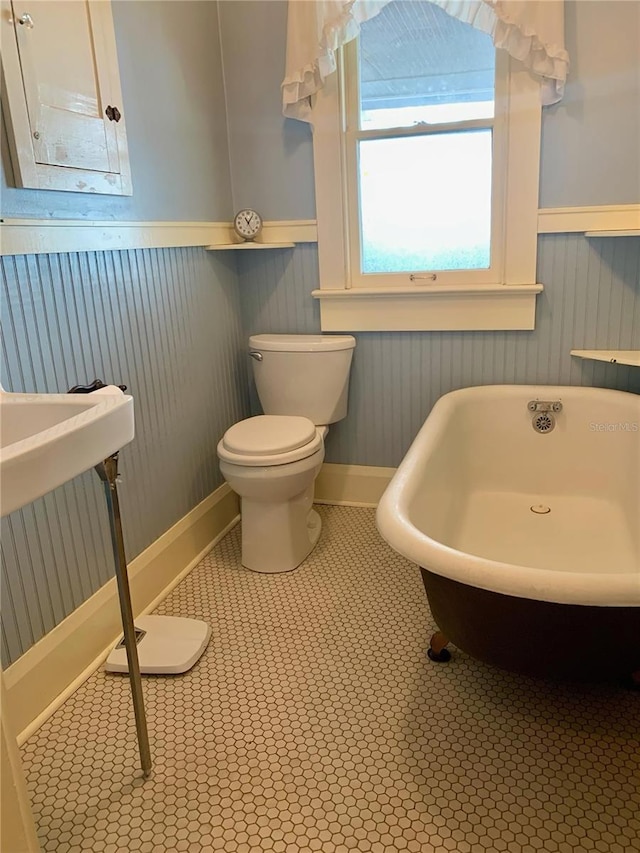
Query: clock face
x=247, y=224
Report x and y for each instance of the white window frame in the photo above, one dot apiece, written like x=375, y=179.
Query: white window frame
x=353, y=135
x=453, y=301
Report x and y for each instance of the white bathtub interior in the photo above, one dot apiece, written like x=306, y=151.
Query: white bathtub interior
x=578, y=534
x=485, y=467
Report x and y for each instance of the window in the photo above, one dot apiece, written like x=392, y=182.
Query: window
x=426, y=150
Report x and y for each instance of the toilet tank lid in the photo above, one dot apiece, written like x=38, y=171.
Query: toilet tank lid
x=301, y=343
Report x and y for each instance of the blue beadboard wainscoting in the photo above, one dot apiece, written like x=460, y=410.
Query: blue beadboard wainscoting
x=164, y=322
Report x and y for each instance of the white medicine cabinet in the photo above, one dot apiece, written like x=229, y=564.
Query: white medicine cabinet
x=61, y=96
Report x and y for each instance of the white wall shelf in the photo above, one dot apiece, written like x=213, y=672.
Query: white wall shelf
x=612, y=356
x=224, y=246
x=631, y=232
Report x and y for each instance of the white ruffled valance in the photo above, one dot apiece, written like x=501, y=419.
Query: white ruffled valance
x=529, y=30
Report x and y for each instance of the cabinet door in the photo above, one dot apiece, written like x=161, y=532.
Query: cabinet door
x=64, y=95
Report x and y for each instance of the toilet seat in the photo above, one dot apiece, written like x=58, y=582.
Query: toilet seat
x=265, y=435
x=267, y=440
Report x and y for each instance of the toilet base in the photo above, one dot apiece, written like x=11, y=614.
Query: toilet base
x=278, y=537
x=279, y=526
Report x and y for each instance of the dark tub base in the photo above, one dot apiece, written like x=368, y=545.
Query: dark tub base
x=536, y=637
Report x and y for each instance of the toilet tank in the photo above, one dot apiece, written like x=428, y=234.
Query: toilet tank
x=304, y=375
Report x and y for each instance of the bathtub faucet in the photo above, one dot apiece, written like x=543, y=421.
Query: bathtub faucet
x=544, y=406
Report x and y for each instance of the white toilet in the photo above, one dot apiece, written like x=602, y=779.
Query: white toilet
x=272, y=460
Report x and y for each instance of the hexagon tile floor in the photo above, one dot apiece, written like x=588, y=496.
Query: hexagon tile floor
x=314, y=722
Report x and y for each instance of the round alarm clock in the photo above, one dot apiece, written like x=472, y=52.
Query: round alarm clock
x=247, y=224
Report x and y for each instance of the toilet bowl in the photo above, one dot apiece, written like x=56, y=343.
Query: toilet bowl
x=271, y=461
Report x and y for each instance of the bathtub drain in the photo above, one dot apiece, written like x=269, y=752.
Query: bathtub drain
x=541, y=509
x=544, y=422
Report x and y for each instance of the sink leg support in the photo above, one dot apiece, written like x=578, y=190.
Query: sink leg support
x=108, y=473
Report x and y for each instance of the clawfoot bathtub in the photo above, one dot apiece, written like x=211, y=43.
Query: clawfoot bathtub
x=521, y=505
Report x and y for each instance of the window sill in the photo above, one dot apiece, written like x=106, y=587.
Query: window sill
x=436, y=308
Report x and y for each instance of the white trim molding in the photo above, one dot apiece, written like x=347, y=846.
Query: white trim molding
x=39, y=681
x=432, y=308
x=289, y=231
x=565, y=220
x=351, y=485
x=39, y=236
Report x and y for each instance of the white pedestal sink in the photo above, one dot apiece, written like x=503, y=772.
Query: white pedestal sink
x=47, y=439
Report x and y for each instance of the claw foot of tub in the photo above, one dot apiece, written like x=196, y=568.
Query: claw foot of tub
x=437, y=651
x=632, y=682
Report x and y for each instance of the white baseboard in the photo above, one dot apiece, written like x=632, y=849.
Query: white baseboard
x=39, y=681
x=351, y=485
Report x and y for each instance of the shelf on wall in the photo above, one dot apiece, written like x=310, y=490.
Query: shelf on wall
x=631, y=232
x=612, y=356
x=224, y=246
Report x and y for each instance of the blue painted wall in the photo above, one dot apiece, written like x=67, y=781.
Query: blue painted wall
x=178, y=114
x=590, y=141
x=169, y=55
x=271, y=158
